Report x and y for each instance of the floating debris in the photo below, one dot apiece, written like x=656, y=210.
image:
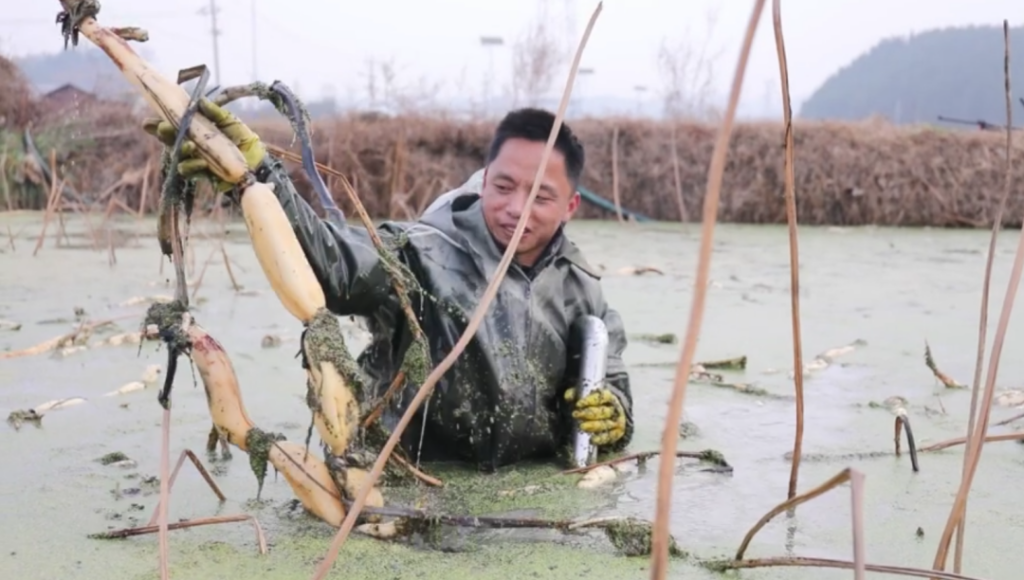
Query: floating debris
x=825, y=359
x=35, y=416
x=894, y=404
x=9, y=325
x=113, y=457
x=597, y=477
x=149, y=377
x=738, y=363
x=1012, y=398
x=667, y=338
x=632, y=537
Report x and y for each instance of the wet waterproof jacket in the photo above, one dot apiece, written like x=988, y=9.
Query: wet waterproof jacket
x=503, y=400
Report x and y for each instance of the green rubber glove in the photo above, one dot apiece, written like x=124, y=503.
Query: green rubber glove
x=193, y=166
x=600, y=414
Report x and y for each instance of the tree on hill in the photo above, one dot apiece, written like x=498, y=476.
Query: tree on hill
x=951, y=72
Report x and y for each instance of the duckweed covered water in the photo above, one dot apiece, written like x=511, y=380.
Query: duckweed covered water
x=893, y=289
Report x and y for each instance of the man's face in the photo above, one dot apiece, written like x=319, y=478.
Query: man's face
x=507, y=183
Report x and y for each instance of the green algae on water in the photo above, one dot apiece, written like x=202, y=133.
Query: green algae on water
x=112, y=457
x=732, y=364
x=666, y=338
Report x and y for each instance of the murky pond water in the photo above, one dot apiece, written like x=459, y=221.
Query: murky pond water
x=893, y=289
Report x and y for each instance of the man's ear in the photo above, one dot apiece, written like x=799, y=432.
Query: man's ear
x=574, y=204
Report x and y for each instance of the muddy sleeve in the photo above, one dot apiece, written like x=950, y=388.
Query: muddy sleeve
x=348, y=267
x=616, y=376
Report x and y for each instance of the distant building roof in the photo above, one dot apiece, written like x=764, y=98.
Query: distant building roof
x=65, y=96
x=53, y=90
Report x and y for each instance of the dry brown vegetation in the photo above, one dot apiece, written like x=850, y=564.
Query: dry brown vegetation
x=847, y=174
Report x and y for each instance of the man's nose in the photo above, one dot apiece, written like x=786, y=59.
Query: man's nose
x=516, y=203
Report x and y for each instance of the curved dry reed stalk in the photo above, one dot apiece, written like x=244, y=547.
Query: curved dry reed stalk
x=997, y=222
x=350, y=518
x=841, y=564
x=670, y=435
x=976, y=436
x=902, y=423
x=837, y=480
x=857, y=513
x=794, y=246
x=962, y=440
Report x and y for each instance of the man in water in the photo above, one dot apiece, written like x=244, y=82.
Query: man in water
x=510, y=396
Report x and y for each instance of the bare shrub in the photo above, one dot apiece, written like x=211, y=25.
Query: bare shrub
x=687, y=75
x=536, y=56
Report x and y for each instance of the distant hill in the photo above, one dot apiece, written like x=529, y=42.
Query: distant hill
x=85, y=67
x=952, y=72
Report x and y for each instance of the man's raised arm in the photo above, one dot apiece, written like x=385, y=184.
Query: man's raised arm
x=347, y=265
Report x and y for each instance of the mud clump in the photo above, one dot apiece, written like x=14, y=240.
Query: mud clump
x=632, y=537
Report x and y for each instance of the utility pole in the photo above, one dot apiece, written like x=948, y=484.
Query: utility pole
x=214, y=34
x=255, y=45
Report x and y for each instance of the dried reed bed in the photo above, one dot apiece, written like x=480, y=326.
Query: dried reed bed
x=100, y=149
x=846, y=173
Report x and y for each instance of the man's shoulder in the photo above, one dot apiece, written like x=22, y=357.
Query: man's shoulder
x=470, y=189
x=572, y=254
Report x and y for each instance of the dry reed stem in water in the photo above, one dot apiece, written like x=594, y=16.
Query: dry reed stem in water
x=857, y=509
x=1019, y=436
x=379, y=409
x=261, y=539
x=837, y=480
x=615, y=173
x=794, y=247
x=1008, y=421
x=162, y=526
x=946, y=380
x=670, y=434
x=976, y=437
x=174, y=475
x=677, y=178
x=986, y=283
x=481, y=310
x=902, y=423
x=841, y=564
x=48, y=214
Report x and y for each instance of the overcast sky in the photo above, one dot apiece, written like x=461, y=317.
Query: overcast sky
x=319, y=46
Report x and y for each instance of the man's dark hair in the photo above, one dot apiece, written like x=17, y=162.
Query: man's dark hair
x=535, y=125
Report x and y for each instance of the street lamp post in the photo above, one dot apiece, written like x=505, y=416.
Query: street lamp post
x=640, y=91
x=490, y=44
